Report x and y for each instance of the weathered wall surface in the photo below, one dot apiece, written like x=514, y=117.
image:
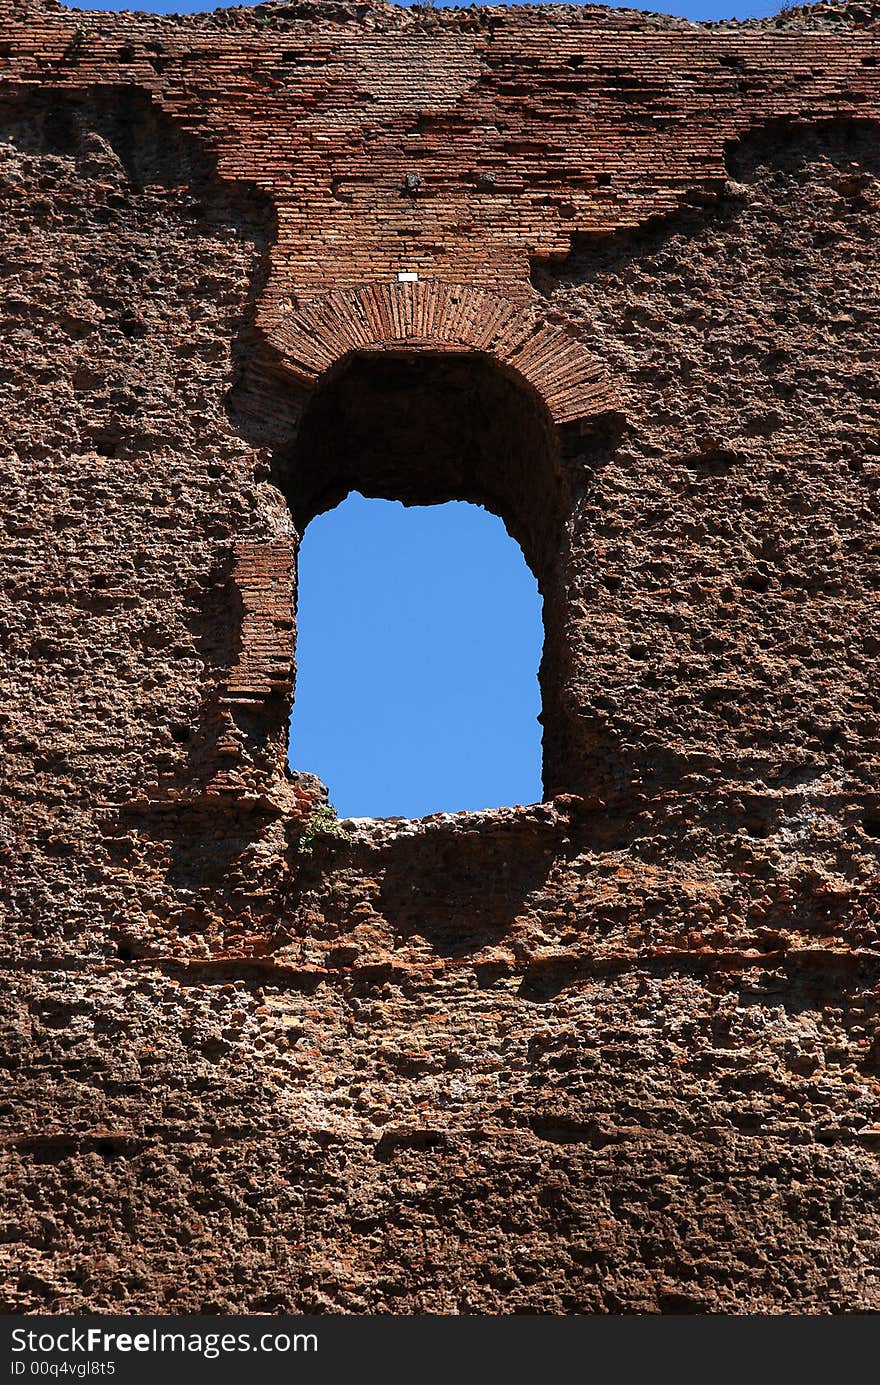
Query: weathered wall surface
x=617, y=1052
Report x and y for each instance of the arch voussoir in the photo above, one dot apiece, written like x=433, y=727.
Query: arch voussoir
x=435, y=316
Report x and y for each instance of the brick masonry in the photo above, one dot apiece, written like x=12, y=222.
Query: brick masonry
x=433, y=316
x=614, y=1052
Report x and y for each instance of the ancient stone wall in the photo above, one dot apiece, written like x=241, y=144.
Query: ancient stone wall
x=615, y=1052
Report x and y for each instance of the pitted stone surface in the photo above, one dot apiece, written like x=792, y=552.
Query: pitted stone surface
x=616, y=1052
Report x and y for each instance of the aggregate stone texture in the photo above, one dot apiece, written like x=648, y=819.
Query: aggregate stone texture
x=616, y=1052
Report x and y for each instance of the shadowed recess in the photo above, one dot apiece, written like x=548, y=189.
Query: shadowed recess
x=418, y=648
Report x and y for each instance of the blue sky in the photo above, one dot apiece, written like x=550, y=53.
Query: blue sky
x=418, y=649
x=420, y=637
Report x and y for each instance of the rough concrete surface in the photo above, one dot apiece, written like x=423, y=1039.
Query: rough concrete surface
x=617, y=1052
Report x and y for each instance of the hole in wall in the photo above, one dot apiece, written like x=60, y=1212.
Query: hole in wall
x=426, y=429
x=418, y=644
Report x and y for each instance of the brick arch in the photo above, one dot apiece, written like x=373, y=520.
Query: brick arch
x=434, y=316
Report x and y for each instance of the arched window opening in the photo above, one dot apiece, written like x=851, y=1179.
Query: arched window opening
x=418, y=643
x=426, y=429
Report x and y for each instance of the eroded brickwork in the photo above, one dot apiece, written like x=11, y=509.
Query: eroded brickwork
x=618, y=1051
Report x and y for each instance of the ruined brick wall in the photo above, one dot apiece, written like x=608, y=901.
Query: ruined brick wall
x=618, y=1051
